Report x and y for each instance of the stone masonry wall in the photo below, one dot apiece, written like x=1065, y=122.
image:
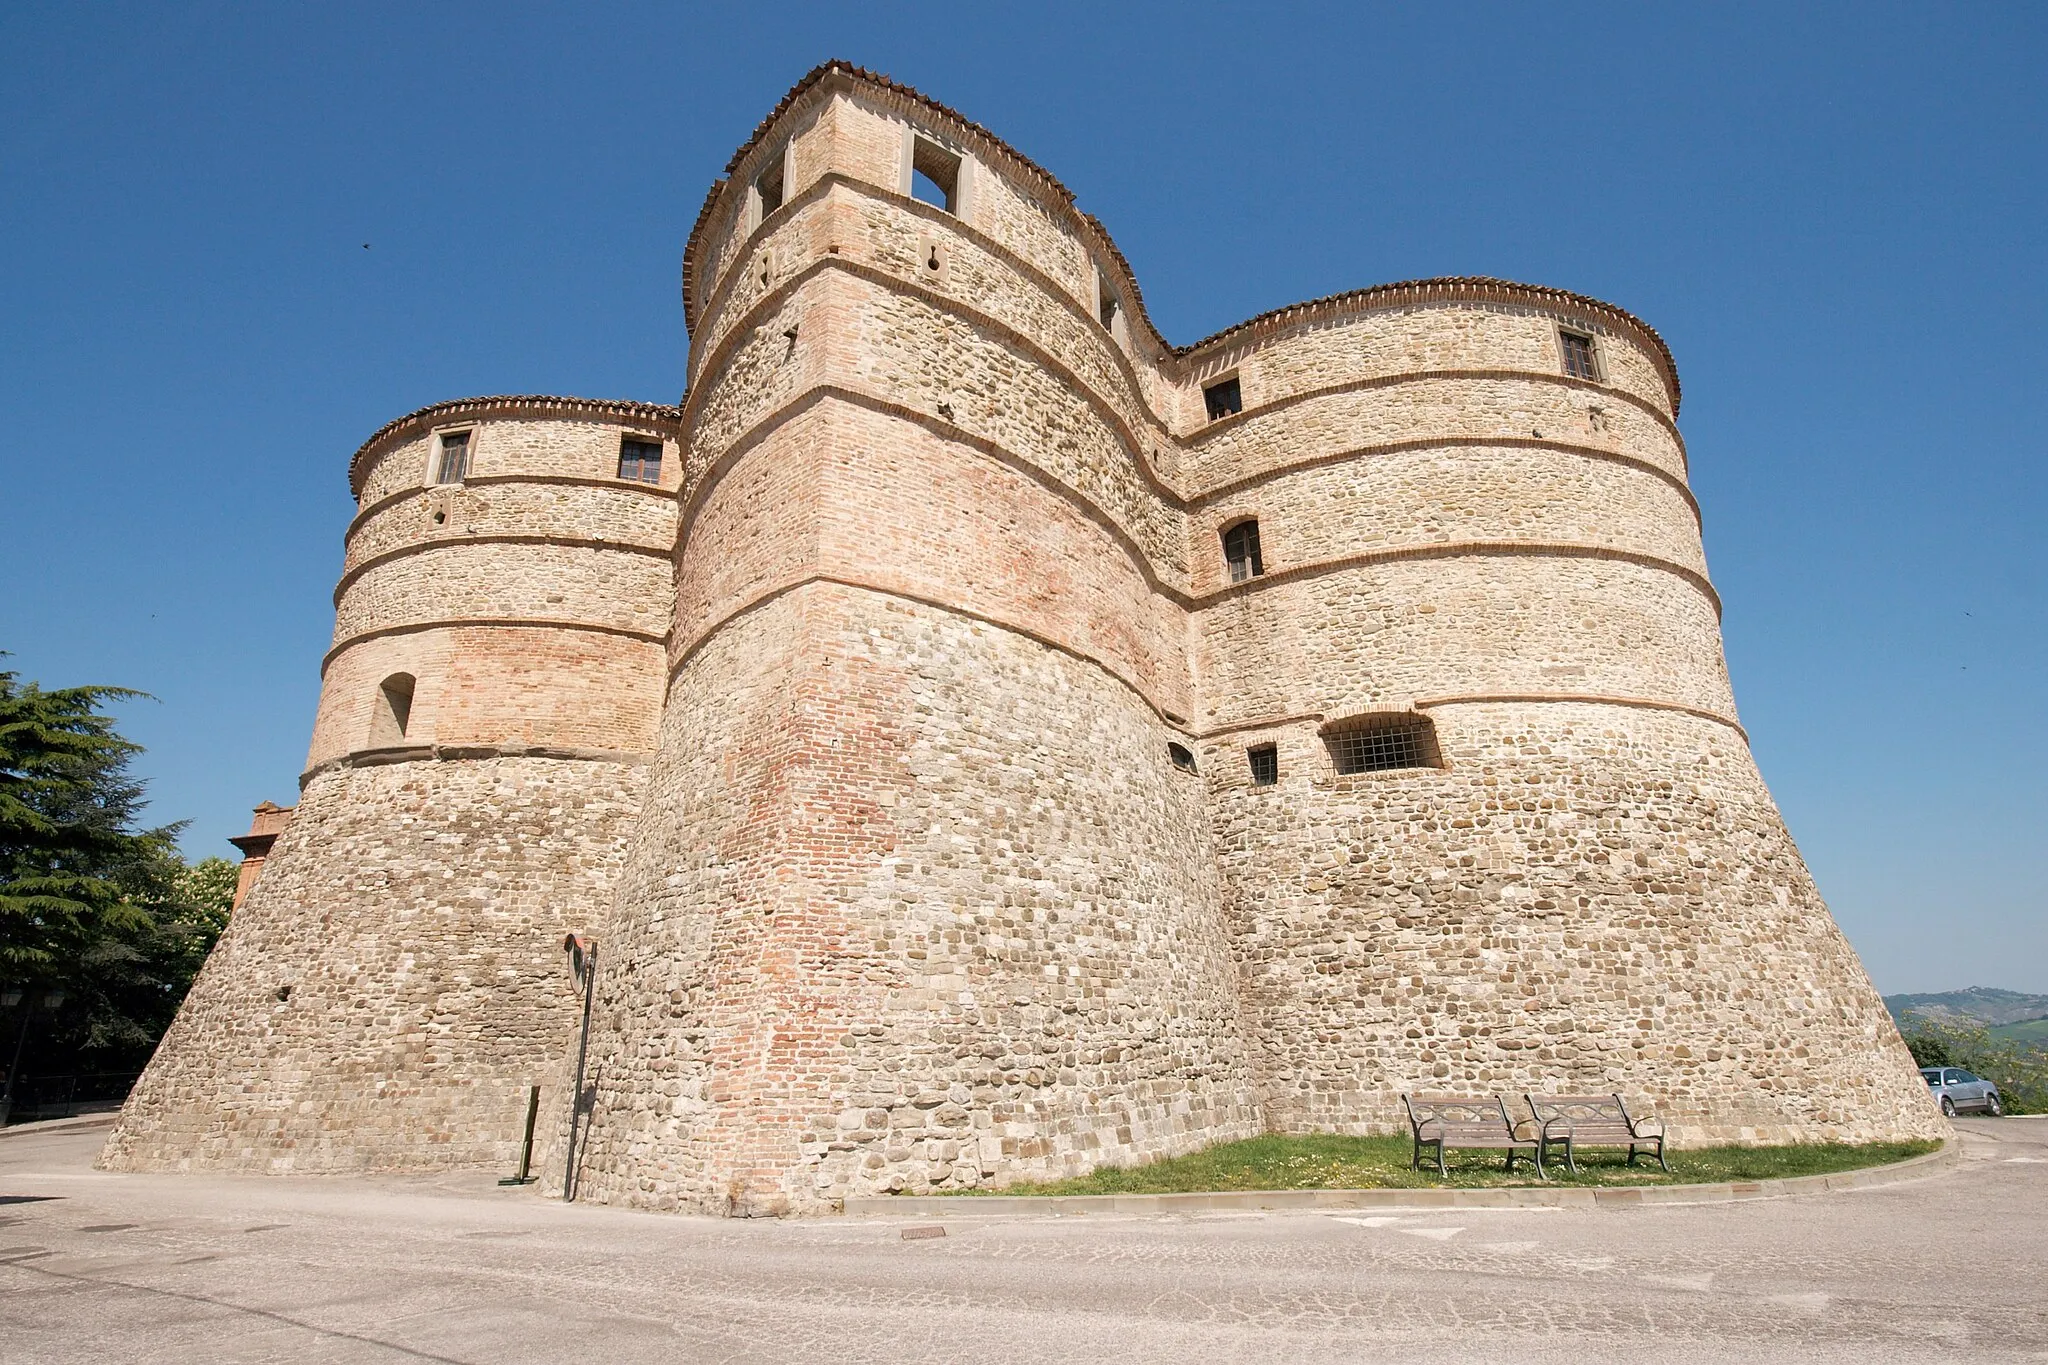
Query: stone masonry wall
x=919, y=898
x=1590, y=898
x=917, y=903
x=394, y=981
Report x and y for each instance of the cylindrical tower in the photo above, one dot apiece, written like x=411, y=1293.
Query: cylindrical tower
x=921, y=896
x=394, y=981
x=1486, y=817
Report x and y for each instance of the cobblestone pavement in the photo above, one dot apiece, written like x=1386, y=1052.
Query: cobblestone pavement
x=102, y=1267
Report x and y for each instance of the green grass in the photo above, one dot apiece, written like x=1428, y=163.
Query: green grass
x=1330, y=1162
x=2033, y=1031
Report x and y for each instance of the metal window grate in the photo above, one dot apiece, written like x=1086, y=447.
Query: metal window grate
x=640, y=461
x=454, y=466
x=1223, y=399
x=1241, y=549
x=1265, y=761
x=1382, y=748
x=1578, y=355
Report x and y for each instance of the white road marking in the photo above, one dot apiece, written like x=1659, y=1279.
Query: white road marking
x=1434, y=1234
x=1697, y=1284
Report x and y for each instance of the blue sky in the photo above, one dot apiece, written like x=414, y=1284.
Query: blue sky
x=1835, y=216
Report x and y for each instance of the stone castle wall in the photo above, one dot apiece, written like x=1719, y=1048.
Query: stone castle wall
x=918, y=893
x=395, y=980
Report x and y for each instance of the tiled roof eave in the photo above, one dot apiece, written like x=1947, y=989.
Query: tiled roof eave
x=1450, y=289
x=535, y=403
x=1446, y=289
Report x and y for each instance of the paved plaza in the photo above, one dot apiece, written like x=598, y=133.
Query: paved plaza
x=103, y=1267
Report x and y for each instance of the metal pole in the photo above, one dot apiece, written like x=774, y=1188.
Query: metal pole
x=586, y=956
x=526, y=1148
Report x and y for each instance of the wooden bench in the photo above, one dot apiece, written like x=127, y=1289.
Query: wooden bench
x=1443, y=1121
x=1593, y=1121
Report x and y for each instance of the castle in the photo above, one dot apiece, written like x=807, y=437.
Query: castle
x=985, y=741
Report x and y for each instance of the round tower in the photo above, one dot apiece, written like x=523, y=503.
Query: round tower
x=394, y=981
x=924, y=893
x=1487, y=818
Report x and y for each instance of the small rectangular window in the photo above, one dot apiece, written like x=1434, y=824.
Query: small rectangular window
x=935, y=175
x=1223, y=398
x=768, y=186
x=1382, y=746
x=1241, y=551
x=453, y=466
x=1578, y=355
x=1265, y=761
x=640, y=461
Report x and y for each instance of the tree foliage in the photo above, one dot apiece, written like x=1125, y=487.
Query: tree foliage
x=90, y=904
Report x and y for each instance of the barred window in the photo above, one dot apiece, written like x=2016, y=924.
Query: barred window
x=453, y=466
x=1265, y=764
x=1223, y=398
x=1383, y=745
x=1241, y=551
x=1578, y=355
x=640, y=461
x=1182, y=756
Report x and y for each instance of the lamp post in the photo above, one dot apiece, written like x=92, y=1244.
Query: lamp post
x=583, y=969
x=27, y=1000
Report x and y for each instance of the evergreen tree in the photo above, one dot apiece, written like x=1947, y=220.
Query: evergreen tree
x=90, y=905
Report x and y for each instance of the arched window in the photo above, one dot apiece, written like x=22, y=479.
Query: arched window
x=393, y=711
x=1241, y=551
x=1183, y=757
x=1383, y=743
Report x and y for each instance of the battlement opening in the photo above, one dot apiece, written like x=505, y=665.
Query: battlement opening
x=1224, y=398
x=1105, y=302
x=393, y=710
x=1382, y=743
x=935, y=175
x=768, y=191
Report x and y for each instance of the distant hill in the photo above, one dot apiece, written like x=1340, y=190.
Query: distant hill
x=1981, y=1004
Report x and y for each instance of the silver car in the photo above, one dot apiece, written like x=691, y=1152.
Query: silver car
x=1957, y=1089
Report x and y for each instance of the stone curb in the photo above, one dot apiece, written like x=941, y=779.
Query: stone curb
x=1282, y=1201
x=103, y=1119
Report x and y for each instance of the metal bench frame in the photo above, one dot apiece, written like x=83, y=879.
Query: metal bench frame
x=1466, y=1121
x=1594, y=1121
